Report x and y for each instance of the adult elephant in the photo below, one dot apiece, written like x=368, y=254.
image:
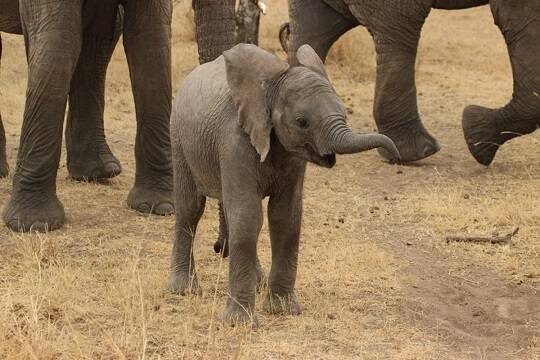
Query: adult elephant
x=89, y=156
x=9, y=23
x=68, y=47
x=395, y=26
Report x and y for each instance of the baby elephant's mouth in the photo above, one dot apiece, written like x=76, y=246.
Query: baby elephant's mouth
x=327, y=161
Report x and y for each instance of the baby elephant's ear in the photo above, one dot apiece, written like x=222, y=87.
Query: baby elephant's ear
x=249, y=72
x=309, y=58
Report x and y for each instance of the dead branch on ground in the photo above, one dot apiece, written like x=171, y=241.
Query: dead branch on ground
x=494, y=238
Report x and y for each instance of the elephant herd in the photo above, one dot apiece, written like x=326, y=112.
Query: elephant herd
x=255, y=106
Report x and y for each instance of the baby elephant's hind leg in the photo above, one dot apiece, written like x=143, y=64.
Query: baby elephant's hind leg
x=190, y=207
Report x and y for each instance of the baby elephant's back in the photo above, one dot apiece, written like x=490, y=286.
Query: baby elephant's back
x=204, y=89
x=200, y=101
x=201, y=117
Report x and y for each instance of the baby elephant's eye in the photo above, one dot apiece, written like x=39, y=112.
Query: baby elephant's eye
x=302, y=122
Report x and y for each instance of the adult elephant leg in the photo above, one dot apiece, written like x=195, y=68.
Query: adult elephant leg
x=486, y=129
x=147, y=40
x=216, y=27
x=396, y=32
x=88, y=154
x=3, y=158
x=317, y=24
x=53, y=38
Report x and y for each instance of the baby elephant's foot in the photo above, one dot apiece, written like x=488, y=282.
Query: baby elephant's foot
x=282, y=304
x=239, y=314
x=34, y=212
x=413, y=141
x=149, y=201
x=182, y=283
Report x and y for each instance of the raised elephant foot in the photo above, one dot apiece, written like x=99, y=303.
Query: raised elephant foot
x=282, y=304
x=413, y=141
x=182, y=283
x=149, y=201
x=482, y=136
x=238, y=314
x=94, y=167
x=33, y=212
x=485, y=130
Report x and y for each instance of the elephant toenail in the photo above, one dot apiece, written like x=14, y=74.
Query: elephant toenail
x=111, y=169
x=144, y=208
x=165, y=208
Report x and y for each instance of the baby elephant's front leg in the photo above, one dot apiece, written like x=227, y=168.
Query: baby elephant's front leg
x=284, y=219
x=244, y=217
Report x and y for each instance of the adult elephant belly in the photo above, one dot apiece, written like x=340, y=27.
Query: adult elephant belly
x=71, y=43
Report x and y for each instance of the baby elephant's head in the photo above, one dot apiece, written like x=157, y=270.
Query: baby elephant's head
x=298, y=103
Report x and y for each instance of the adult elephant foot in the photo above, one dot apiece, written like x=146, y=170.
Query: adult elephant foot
x=33, y=212
x=485, y=130
x=150, y=201
x=236, y=313
x=413, y=141
x=183, y=283
x=282, y=304
x=94, y=165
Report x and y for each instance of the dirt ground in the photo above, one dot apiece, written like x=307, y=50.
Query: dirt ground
x=376, y=278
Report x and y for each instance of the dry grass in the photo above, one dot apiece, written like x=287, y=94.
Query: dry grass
x=376, y=279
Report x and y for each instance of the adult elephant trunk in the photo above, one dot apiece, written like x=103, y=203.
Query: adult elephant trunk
x=215, y=22
x=341, y=140
x=486, y=129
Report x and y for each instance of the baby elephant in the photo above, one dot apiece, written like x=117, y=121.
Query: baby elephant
x=243, y=128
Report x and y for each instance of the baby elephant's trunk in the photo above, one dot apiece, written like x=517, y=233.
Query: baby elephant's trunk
x=344, y=141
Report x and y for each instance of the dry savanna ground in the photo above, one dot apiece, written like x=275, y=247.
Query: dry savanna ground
x=377, y=279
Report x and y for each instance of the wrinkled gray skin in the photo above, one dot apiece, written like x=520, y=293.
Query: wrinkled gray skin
x=68, y=47
x=395, y=26
x=88, y=155
x=485, y=129
x=243, y=128
x=9, y=23
x=70, y=54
